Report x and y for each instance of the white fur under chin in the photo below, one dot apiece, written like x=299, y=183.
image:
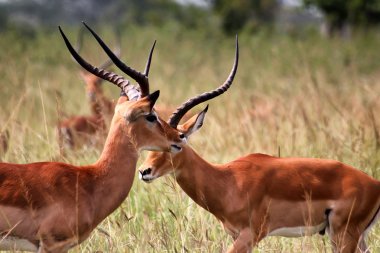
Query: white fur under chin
x=146, y=178
x=151, y=148
x=11, y=243
x=175, y=149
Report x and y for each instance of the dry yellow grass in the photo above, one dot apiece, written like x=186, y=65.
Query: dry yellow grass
x=306, y=97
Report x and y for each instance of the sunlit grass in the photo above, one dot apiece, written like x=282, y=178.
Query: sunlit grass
x=307, y=97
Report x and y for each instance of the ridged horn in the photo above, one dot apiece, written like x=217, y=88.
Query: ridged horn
x=140, y=78
x=176, y=117
x=116, y=79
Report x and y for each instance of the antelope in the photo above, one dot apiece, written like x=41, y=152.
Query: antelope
x=79, y=129
x=49, y=207
x=258, y=195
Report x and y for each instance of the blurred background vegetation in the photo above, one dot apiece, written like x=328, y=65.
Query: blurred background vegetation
x=330, y=16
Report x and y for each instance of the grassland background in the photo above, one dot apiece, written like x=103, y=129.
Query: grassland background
x=300, y=96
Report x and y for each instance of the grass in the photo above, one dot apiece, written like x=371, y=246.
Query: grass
x=294, y=96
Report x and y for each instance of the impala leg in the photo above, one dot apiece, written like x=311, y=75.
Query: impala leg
x=68, y=138
x=60, y=143
x=65, y=140
x=345, y=235
x=243, y=243
x=347, y=240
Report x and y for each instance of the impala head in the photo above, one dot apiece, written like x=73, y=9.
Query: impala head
x=147, y=129
x=158, y=164
x=134, y=113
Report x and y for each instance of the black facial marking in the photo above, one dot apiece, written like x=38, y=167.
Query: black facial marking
x=178, y=148
x=147, y=171
x=151, y=118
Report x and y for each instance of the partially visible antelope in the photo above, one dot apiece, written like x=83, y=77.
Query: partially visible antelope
x=88, y=129
x=49, y=207
x=258, y=195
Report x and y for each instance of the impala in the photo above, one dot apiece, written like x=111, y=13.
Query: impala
x=260, y=195
x=79, y=129
x=50, y=207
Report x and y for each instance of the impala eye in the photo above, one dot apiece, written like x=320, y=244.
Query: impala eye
x=182, y=136
x=151, y=118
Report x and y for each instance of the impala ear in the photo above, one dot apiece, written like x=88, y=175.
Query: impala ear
x=152, y=98
x=143, y=106
x=193, y=124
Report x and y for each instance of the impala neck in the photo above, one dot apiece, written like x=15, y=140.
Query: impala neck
x=201, y=180
x=116, y=169
x=108, y=105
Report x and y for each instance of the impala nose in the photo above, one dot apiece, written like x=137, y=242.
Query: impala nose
x=147, y=171
x=143, y=173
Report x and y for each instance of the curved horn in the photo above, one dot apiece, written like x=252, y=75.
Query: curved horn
x=147, y=66
x=119, y=81
x=140, y=78
x=176, y=117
